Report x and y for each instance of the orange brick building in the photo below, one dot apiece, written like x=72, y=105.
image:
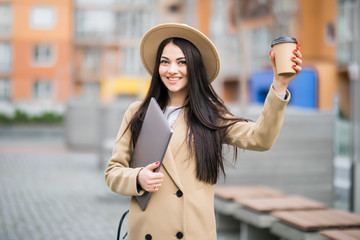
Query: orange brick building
x=41, y=39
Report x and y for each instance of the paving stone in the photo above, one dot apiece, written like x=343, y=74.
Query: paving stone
x=54, y=194
x=50, y=192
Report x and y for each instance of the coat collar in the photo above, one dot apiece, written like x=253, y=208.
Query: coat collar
x=177, y=140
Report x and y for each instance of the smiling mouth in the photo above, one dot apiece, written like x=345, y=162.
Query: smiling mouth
x=173, y=80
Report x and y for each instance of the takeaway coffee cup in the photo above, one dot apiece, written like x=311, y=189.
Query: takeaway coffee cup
x=283, y=48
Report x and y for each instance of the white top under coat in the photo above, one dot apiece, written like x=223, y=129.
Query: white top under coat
x=172, y=114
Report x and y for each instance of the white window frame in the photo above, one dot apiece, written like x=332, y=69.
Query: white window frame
x=6, y=19
x=88, y=24
x=43, y=54
x=39, y=91
x=5, y=89
x=91, y=90
x=344, y=33
x=5, y=57
x=43, y=17
x=91, y=59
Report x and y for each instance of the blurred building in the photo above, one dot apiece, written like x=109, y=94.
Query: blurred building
x=243, y=32
x=106, y=46
x=35, y=45
x=5, y=50
x=107, y=61
x=53, y=50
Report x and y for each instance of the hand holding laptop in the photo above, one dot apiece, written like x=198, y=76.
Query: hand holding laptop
x=150, y=180
x=150, y=149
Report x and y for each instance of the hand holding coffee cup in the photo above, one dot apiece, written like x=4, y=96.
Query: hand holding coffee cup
x=283, y=48
x=286, y=61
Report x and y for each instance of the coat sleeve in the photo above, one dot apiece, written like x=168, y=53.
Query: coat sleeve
x=260, y=135
x=118, y=175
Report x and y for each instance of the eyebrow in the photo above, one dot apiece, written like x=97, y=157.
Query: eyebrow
x=180, y=58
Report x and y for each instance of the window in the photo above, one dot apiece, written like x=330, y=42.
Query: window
x=103, y=2
x=260, y=37
x=88, y=24
x=42, y=90
x=132, y=61
x=92, y=59
x=345, y=34
x=5, y=19
x=43, y=17
x=5, y=90
x=91, y=90
x=43, y=54
x=5, y=57
x=330, y=33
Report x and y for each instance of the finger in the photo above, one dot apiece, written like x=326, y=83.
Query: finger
x=297, y=53
x=153, y=187
x=272, y=59
x=153, y=166
x=297, y=68
x=150, y=188
x=296, y=60
x=157, y=186
x=272, y=56
x=155, y=181
x=158, y=175
x=154, y=176
x=147, y=177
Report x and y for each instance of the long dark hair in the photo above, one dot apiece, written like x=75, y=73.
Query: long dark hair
x=204, y=110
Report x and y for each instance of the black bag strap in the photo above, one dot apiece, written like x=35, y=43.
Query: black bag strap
x=120, y=225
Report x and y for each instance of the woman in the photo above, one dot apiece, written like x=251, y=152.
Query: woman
x=183, y=62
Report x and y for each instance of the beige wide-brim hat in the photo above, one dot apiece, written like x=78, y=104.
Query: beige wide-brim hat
x=152, y=39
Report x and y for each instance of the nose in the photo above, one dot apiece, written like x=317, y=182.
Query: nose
x=173, y=68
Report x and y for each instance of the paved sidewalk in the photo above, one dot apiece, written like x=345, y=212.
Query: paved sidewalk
x=48, y=192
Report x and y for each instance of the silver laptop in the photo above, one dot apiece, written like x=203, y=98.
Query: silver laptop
x=153, y=140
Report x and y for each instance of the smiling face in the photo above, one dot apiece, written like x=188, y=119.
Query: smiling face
x=173, y=73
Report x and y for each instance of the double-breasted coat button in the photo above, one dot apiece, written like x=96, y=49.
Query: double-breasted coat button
x=148, y=237
x=179, y=193
x=179, y=235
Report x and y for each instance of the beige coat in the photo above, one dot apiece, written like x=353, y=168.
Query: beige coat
x=183, y=208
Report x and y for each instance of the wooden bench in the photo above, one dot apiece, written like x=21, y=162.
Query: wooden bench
x=226, y=205
x=256, y=213
x=342, y=234
x=280, y=203
x=226, y=196
x=305, y=225
x=252, y=208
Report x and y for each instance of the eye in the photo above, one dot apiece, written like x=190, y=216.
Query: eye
x=182, y=62
x=163, y=61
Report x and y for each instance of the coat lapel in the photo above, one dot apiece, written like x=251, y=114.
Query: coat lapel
x=177, y=140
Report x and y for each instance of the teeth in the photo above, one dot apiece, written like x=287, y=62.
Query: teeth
x=174, y=79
